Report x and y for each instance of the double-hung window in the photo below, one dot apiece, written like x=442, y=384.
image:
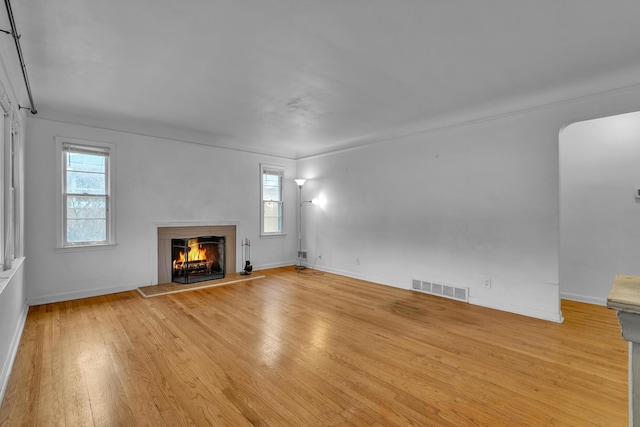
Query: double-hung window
x=10, y=187
x=272, y=204
x=86, y=194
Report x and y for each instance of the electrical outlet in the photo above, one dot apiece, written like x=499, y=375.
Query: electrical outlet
x=357, y=261
x=487, y=282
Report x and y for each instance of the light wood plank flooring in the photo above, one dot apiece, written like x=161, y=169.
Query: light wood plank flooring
x=302, y=349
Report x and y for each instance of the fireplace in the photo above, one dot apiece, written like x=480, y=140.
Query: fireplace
x=165, y=233
x=197, y=259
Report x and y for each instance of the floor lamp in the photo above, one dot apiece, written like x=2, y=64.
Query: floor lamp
x=300, y=182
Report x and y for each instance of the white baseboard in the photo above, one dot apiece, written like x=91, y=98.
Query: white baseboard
x=496, y=305
x=13, y=350
x=517, y=309
x=68, y=296
x=364, y=277
x=274, y=265
x=583, y=298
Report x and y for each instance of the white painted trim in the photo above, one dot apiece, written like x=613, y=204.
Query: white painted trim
x=273, y=265
x=185, y=136
x=13, y=351
x=510, y=308
x=517, y=309
x=468, y=118
x=283, y=203
x=6, y=276
x=364, y=277
x=583, y=298
x=68, y=296
x=85, y=248
x=111, y=191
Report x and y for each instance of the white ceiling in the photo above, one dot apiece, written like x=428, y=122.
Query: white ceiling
x=300, y=77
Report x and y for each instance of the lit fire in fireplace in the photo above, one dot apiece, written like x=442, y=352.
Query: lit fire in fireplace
x=196, y=253
x=197, y=259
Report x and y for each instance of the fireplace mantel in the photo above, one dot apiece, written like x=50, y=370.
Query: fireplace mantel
x=167, y=231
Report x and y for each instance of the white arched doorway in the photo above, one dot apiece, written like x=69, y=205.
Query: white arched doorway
x=599, y=211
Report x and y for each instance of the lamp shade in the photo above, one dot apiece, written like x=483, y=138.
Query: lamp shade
x=300, y=181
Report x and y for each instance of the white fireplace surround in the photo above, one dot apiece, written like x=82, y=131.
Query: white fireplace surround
x=163, y=232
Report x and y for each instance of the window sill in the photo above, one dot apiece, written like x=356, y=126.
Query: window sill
x=272, y=236
x=84, y=248
x=7, y=275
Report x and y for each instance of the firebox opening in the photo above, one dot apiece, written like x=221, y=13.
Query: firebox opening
x=197, y=259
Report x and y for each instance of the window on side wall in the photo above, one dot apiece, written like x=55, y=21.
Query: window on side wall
x=87, y=193
x=12, y=186
x=11, y=180
x=271, y=200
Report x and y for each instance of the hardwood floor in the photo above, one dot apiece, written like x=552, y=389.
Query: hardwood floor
x=302, y=349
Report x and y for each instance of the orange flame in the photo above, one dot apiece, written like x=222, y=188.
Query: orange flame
x=196, y=253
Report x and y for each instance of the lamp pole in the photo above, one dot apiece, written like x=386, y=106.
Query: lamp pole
x=300, y=182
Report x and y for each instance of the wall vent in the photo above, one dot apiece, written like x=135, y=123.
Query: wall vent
x=458, y=293
x=426, y=287
x=447, y=291
x=436, y=288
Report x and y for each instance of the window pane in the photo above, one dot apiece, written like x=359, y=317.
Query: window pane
x=272, y=225
x=271, y=193
x=272, y=217
x=85, y=162
x=86, y=207
x=271, y=187
x=86, y=183
x=272, y=209
x=85, y=173
x=86, y=230
x=86, y=219
x=85, y=193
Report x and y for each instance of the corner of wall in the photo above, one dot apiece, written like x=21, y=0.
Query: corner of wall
x=13, y=350
x=14, y=309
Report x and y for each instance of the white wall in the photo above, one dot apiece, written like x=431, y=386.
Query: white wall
x=156, y=181
x=599, y=215
x=13, y=301
x=454, y=205
x=13, y=313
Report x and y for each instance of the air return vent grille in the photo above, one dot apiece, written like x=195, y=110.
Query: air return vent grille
x=426, y=287
x=442, y=290
x=436, y=289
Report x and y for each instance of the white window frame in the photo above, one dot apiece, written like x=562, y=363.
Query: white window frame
x=98, y=147
x=18, y=176
x=281, y=171
x=11, y=195
x=11, y=222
